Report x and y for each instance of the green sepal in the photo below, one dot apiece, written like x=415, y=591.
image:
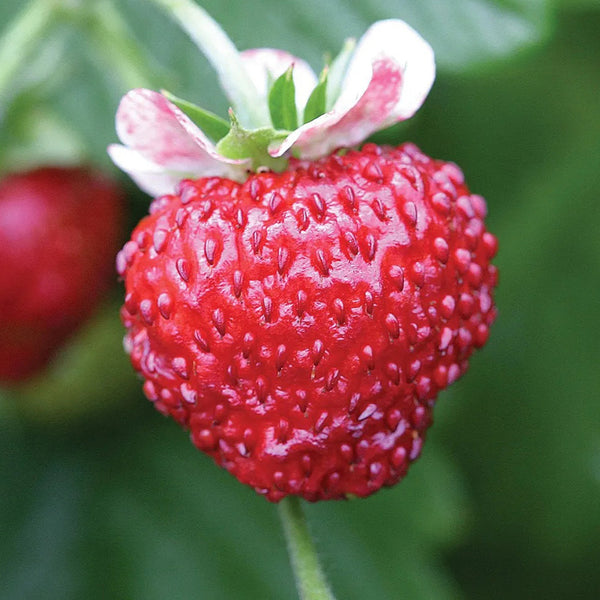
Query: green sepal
x=282, y=101
x=210, y=124
x=242, y=143
x=316, y=104
x=337, y=71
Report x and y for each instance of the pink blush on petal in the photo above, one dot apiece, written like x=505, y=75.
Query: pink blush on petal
x=147, y=123
x=379, y=99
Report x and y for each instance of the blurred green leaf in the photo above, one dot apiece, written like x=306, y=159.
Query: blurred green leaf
x=578, y=5
x=128, y=508
x=34, y=135
x=89, y=378
x=135, y=511
x=526, y=427
x=464, y=33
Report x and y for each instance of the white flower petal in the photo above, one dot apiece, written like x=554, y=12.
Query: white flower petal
x=160, y=136
x=265, y=65
x=396, y=41
x=149, y=177
x=388, y=78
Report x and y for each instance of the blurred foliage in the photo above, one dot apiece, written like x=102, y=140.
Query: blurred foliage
x=505, y=501
x=73, y=389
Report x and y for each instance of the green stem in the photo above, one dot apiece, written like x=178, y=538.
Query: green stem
x=220, y=51
x=20, y=38
x=113, y=40
x=310, y=579
x=104, y=26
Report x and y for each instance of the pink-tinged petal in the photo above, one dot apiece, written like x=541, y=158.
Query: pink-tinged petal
x=389, y=76
x=149, y=177
x=160, y=136
x=265, y=65
x=394, y=41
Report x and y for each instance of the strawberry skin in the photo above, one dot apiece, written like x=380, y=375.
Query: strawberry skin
x=59, y=227
x=301, y=324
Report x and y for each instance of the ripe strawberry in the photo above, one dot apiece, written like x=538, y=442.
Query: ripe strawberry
x=58, y=229
x=301, y=324
x=296, y=306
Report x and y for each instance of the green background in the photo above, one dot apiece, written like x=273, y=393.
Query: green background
x=101, y=497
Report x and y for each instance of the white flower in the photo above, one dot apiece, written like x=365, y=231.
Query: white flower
x=162, y=146
x=387, y=79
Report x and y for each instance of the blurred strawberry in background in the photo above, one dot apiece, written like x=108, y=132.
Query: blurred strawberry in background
x=59, y=228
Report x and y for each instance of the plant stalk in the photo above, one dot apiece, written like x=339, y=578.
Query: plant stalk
x=112, y=39
x=20, y=38
x=221, y=52
x=310, y=578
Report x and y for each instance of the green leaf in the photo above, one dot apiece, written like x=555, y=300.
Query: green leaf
x=252, y=144
x=212, y=125
x=317, y=104
x=282, y=101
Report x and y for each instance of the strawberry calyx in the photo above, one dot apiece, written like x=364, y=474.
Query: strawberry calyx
x=279, y=106
x=232, y=139
x=252, y=144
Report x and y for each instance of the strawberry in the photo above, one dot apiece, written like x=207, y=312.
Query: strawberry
x=298, y=303
x=58, y=229
x=301, y=324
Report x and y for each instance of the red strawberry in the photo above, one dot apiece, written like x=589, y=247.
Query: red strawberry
x=296, y=306
x=58, y=230
x=302, y=324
